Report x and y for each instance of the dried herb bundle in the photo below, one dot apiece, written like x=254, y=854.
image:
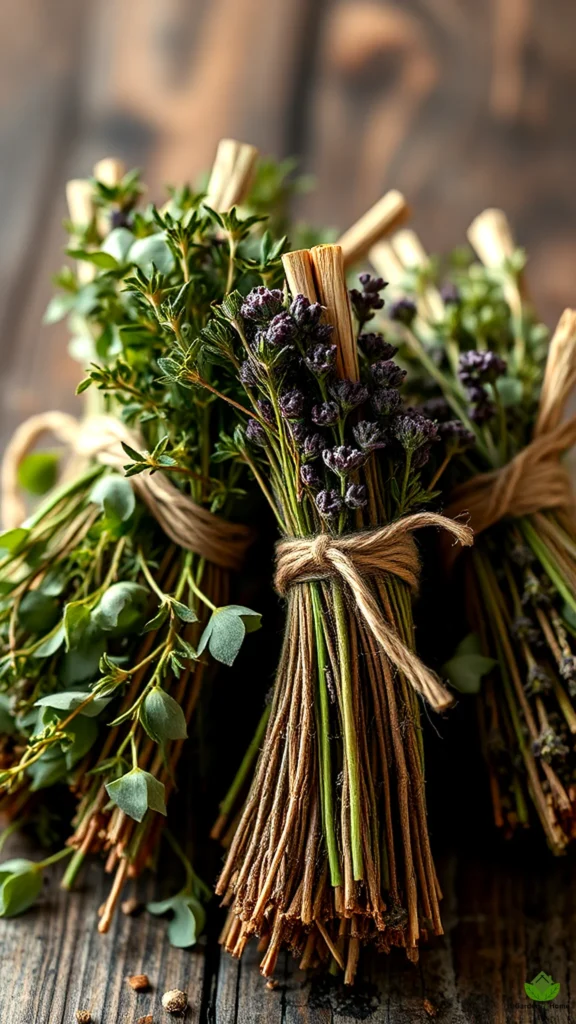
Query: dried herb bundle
x=115, y=591
x=485, y=360
x=332, y=847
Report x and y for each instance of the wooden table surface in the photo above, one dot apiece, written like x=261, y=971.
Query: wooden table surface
x=460, y=104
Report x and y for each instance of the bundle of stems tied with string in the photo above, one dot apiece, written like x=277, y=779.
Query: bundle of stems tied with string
x=115, y=591
x=480, y=355
x=331, y=848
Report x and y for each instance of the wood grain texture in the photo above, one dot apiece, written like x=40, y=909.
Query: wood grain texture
x=459, y=104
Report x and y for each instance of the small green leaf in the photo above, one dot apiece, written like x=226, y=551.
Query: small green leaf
x=187, y=921
x=20, y=890
x=76, y=622
x=59, y=307
x=47, y=771
x=137, y=791
x=38, y=612
x=118, y=244
x=121, y=608
x=83, y=385
x=225, y=631
x=468, y=665
x=51, y=644
x=183, y=612
x=132, y=453
x=159, y=619
x=510, y=390
x=38, y=472
x=153, y=250
x=13, y=540
x=100, y=259
x=170, y=368
x=115, y=496
x=162, y=717
x=69, y=700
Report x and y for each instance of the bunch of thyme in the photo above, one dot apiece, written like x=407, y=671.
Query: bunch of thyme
x=483, y=358
x=332, y=847
x=105, y=624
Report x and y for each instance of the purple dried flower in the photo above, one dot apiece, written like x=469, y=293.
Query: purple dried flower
x=322, y=333
x=261, y=304
x=281, y=330
x=326, y=414
x=369, y=436
x=299, y=431
x=387, y=373
x=568, y=668
x=455, y=434
x=386, y=401
x=403, y=311
x=368, y=300
x=312, y=446
x=329, y=503
x=247, y=374
x=255, y=432
x=480, y=367
x=356, y=496
x=482, y=411
x=266, y=410
x=349, y=393
x=539, y=681
x=343, y=459
x=436, y=408
x=374, y=346
x=413, y=430
x=306, y=314
x=310, y=476
x=321, y=359
x=421, y=456
x=292, y=404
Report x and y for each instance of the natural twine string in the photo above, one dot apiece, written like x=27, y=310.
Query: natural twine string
x=355, y=557
x=535, y=478
x=187, y=524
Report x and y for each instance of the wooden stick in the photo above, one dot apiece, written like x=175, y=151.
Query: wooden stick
x=412, y=254
x=231, y=175
x=386, y=215
x=300, y=274
x=385, y=261
x=81, y=210
x=491, y=238
x=109, y=171
x=330, y=278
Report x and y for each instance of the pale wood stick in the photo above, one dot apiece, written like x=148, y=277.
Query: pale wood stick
x=81, y=210
x=490, y=235
x=300, y=274
x=385, y=216
x=231, y=175
x=110, y=171
x=330, y=278
x=412, y=254
x=385, y=261
x=559, y=376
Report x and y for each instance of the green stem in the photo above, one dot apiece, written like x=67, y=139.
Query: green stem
x=349, y=729
x=327, y=791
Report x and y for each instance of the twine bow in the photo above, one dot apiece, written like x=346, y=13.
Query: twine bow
x=187, y=524
x=534, y=479
x=352, y=558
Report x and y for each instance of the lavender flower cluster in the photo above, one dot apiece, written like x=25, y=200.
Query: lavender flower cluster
x=292, y=348
x=476, y=369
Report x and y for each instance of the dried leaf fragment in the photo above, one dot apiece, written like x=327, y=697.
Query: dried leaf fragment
x=83, y=1017
x=139, y=982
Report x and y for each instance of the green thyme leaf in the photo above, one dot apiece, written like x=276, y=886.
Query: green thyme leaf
x=137, y=791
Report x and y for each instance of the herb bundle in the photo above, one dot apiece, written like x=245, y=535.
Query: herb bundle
x=332, y=846
x=114, y=592
x=479, y=344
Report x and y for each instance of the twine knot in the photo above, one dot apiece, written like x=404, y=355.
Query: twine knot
x=352, y=559
x=534, y=479
x=186, y=523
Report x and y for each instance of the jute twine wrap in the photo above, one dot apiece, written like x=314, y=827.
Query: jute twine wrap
x=100, y=437
x=354, y=558
x=535, y=478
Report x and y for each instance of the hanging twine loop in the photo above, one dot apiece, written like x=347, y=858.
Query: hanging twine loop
x=189, y=525
x=355, y=557
x=535, y=478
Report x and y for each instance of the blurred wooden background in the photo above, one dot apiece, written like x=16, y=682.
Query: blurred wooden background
x=461, y=104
